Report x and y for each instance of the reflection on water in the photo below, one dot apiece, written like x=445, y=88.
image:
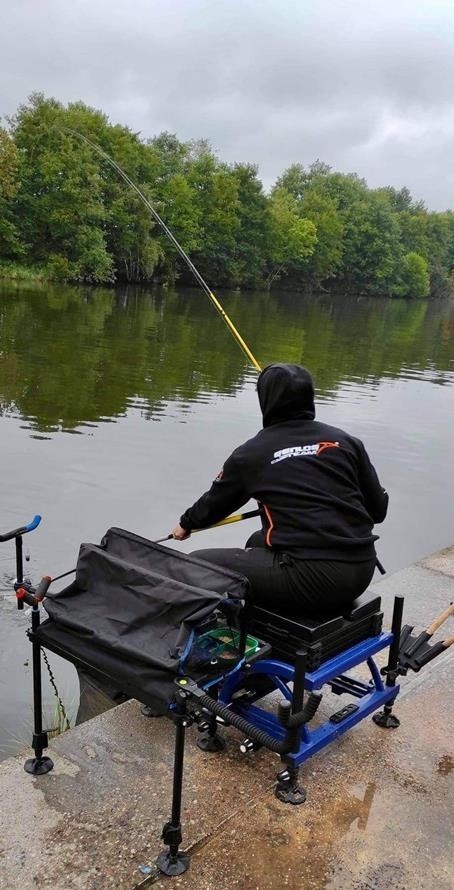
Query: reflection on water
x=118, y=407
x=71, y=358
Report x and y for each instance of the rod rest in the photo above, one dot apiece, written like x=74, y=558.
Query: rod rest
x=309, y=710
x=291, y=722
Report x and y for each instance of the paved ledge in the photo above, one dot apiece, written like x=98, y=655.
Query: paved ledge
x=378, y=814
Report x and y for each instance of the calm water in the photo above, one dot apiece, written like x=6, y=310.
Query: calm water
x=118, y=408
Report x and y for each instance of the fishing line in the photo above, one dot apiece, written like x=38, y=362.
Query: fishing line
x=175, y=243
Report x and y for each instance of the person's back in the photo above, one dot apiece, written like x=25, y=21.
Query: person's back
x=319, y=497
x=319, y=493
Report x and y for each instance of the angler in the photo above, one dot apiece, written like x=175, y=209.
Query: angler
x=316, y=550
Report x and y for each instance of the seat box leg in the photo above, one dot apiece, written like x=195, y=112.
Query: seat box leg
x=386, y=719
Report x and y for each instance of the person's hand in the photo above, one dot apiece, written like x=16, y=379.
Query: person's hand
x=180, y=534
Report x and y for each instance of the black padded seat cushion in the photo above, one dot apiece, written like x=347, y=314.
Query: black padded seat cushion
x=313, y=628
x=320, y=636
x=364, y=605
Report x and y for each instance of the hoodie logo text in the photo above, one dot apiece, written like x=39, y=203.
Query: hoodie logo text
x=303, y=451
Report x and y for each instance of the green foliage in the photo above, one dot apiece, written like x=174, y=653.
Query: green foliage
x=292, y=239
x=9, y=183
x=252, y=231
x=370, y=257
x=9, y=166
x=326, y=259
x=64, y=209
x=414, y=279
x=14, y=271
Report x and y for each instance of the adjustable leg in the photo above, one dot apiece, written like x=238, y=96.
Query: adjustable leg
x=209, y=738
x=386, y=718
x=37, y=765
x=287, y=789
x=173, y=861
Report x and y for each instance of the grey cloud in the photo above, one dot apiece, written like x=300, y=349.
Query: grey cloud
x=365, y=87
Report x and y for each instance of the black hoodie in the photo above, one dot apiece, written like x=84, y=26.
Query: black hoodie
x=318, y=492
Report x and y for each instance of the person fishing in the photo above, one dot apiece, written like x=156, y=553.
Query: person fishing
x=319, y=497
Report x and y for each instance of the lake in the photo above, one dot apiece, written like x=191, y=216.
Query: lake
x=118, y=408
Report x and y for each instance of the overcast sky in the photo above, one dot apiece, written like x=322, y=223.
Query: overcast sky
x=365, y=85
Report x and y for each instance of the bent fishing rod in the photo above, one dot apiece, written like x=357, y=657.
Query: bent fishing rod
x=199, y=278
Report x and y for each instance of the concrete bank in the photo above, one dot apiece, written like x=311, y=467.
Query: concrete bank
x=379, y=812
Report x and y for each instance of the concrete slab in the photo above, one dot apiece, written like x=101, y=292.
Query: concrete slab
x=379, y=814
x=427, y=592
x=379, y=810
x=443, y=562
x=97, y=816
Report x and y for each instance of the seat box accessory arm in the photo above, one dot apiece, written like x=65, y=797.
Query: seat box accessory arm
x=290, y=720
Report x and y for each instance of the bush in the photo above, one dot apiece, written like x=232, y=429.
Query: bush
x=414, y=279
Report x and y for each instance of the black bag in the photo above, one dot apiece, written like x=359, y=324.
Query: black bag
x=134, y=610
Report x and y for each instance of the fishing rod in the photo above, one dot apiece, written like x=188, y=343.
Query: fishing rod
x=214, y=300
x=237, y=517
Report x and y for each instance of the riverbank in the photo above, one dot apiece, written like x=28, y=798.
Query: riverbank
x=17, y=272
x=378, y=814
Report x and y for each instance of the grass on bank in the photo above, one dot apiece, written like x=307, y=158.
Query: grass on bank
x=13, y=271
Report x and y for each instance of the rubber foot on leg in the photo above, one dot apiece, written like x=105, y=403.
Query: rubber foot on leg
x=207, y=742
x=172, y=865
x=387, y=721
x=150, y=711
x=38, y=766
x=287, y=793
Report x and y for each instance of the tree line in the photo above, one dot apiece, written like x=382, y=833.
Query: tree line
x=64, y=211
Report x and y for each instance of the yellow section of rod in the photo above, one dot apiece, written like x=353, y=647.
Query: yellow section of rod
x=238, y=517
x=234, y=331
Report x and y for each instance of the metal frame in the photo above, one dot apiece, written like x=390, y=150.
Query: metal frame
x=371, y=696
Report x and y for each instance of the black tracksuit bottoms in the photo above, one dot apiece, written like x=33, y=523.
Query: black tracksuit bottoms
x=282, y=582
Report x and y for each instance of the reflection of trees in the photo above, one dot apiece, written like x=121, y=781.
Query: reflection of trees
x=71, y=356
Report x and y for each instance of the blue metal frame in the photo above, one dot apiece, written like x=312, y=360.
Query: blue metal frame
x=370, y=696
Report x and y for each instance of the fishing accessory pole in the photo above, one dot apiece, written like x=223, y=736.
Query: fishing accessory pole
x=233, y=330
x=416, y=651
x=237, y=517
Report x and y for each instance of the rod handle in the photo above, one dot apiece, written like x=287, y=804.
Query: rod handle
x=440, y=619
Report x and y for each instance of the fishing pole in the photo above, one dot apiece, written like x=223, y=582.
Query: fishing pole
x=237, y=517
x=214, y=300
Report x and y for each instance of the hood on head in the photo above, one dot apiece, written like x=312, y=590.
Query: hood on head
x=285, y=392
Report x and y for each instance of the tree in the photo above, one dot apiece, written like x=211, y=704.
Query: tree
x=251, y=235
x=127, y=227
x=294, y=180
x=414, y=279
x=297, y=180
x=9, y=184
x=216, y=199
x=371, y=245
x=59, y=201
x=292, y=239
x=326, y=259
